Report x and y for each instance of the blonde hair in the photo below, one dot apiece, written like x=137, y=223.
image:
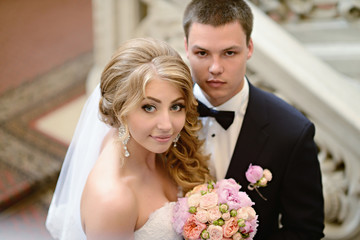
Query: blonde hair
x=123, y=83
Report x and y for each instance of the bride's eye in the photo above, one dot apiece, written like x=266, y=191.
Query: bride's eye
x=177, y=107
x=148, y=108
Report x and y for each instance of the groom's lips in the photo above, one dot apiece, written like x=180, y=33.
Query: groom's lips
x=215, y=83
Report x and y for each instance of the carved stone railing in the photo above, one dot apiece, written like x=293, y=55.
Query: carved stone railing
x=279, y=64
x=295, y=10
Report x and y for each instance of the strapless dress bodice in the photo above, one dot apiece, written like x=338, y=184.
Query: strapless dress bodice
x=159, y=225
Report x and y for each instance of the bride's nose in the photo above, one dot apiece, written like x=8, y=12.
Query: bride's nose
x=164, y=121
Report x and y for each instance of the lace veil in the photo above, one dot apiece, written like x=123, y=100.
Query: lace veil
x=63, y=220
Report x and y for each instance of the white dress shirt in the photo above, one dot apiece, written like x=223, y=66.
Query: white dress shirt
x=220, y=143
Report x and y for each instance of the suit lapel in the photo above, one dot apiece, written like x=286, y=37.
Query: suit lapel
x=252, y=136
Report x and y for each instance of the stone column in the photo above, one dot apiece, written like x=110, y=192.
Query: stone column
x=114, y=21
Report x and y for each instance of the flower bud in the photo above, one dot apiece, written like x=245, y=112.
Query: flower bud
x=210, y=185
x=221, y=221
x=245, y=235
x=263, y=182
x=241, y=222
x=223, y=208
x=205, y=234
x=192, y=209
x=233, y=213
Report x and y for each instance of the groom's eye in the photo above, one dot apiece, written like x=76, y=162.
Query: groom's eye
x=201, y=53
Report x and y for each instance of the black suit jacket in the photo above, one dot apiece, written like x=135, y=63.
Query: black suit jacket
x=276, y=136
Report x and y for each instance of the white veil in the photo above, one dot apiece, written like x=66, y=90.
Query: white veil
x=63, y=220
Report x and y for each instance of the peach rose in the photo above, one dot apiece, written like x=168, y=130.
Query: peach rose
x=194, y=200
x=237, y=236
x=226, y=216
x=208, y=200
x=230, y=227
x=193, y=228
x=197, y=189
x=202, y=215
x=214, y=214
x=215, y=232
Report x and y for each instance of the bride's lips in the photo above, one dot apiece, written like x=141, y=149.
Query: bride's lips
x=162, y=138
x=215, y=83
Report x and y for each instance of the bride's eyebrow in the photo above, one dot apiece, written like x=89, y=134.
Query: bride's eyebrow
x=154, y=99
x=159, y=101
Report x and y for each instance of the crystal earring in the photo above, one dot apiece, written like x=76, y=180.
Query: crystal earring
x=176, y=139
x=122, y=132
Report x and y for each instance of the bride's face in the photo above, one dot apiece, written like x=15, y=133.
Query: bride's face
x=160, y=116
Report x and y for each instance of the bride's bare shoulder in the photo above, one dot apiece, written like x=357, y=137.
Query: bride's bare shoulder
x=106, y=197
x=108, y=207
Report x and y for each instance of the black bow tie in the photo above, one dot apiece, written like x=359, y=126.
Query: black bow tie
x=224, y=118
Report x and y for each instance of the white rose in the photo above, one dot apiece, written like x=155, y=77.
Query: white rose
x=251, y=212
x=267, y=174
x=194, y=200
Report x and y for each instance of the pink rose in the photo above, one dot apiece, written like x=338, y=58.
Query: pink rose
x=228, y=183
x=230, y=227
x=202, y=215
x=250, y=228
x=209, y=200
x=215, y=232
x=193, y=228
x=244, y=200
x=254, y=173
x=228, y=191
x=214, y=214
x=253, y=227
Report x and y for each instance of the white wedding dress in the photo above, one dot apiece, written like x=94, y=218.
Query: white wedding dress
x=159, y=225
x=63, y=220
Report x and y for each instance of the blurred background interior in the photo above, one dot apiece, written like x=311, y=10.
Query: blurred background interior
x=52, y=54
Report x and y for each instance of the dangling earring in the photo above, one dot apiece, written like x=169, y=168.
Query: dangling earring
x=176, y=139
x=122, y=132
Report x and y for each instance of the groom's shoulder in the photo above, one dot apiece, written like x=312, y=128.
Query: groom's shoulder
x=278, y=107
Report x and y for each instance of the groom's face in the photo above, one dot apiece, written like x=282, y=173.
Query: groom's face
x=217, y=57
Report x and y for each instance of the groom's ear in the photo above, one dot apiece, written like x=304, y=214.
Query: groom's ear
x=186, y=47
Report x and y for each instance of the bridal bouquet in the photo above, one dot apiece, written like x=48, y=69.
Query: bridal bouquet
x=215, y=211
